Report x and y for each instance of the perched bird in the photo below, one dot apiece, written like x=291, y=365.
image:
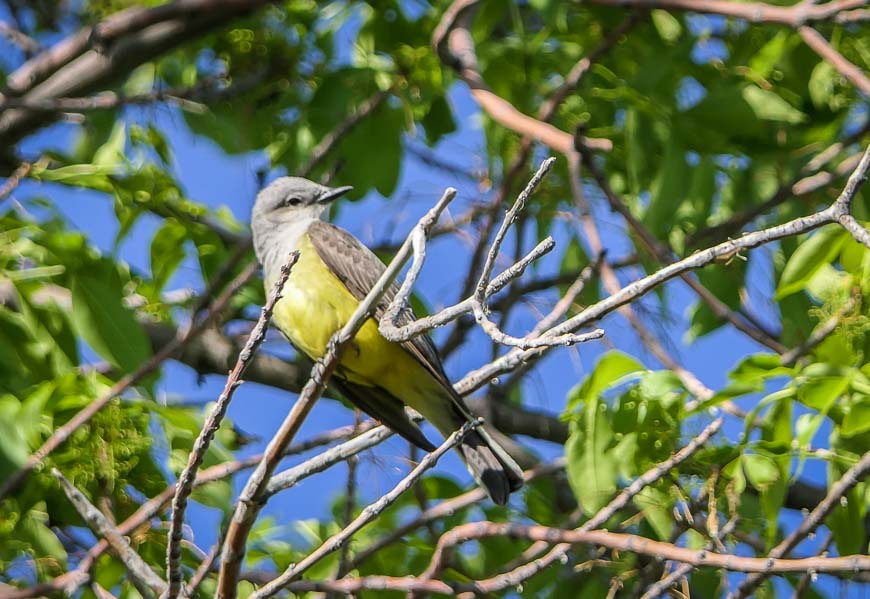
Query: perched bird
x=334, y=273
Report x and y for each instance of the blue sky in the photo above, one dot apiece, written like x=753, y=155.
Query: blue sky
x=215, y=179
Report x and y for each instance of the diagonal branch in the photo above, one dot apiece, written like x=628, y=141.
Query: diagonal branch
x=253, y=496
x=141, y=575
x=814, y=519
x=73, y=67
x=186, y=479
x=453, y=42
x=371, y=512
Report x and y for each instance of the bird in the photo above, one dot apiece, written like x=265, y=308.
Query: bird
x=333, y=274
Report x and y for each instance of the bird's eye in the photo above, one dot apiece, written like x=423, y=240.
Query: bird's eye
x=292, y=201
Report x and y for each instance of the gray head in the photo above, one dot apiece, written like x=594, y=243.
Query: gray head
x=284, y=209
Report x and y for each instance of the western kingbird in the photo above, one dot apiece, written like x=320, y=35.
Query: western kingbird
x=334, y=273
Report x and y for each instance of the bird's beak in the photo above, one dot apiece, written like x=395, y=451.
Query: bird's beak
x=333, y=193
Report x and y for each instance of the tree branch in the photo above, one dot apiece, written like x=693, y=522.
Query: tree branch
x=141, y=575
x=253, y=495
x=371, y=512
x=186, y=479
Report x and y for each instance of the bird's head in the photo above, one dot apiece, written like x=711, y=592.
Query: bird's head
x=291, y=199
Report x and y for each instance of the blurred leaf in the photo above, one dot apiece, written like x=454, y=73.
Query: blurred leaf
x=103, y=322
x=818, y=250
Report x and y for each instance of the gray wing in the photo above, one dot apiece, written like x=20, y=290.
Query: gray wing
x=359, y=269
x=385, y=408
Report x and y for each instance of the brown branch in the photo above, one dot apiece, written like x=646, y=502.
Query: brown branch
x=524, y=572
x=455, y=46
x=811, y=178
x=371, y=512
x=833, y=214
x=611, y=283
x=814, y=519
x=637, y=545
x=253, y=496
x=184, y=486
x=444, y=509
x=331, y=139
x=823, y=48
x=755, y=12
x=14, y=180
x=69, y=582
x=662, y=255
x=141, y=575
x=126, y=39
x=660, y=587
x=29, y=45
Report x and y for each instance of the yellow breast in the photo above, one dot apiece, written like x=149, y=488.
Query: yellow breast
x=315, y=304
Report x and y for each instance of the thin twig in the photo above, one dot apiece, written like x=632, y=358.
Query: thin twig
x=661, y=586
x=640, y=287
x=14, y=180
x=184, y=486
x=254, y=493
x=650, y=477
x=141, y=575
x=290, y=477
x=366, y=516
x=478, y=301
x=813, y=520
x=444, y=509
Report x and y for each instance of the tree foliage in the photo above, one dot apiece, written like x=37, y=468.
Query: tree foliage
x=675, y=132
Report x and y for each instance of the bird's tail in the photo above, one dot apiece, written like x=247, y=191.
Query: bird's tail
x=490, y=464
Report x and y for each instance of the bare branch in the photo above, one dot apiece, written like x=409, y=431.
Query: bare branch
x=331, y=139
x=142, y=576
x=14, y=180
x=454, y=44
x=814, y=519
x=253, y=495
x=823, y=48
x=638, y=545
x=444, y=509
x=184, y=486
x=650, y=477
x=478, y=300
x=368, y=514
x=660, y=587
x=640, y=287
x=319, y=463
x=755, y=12
x=19, y=38
x=127, y=39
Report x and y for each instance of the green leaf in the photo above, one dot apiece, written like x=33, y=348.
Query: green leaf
x=771, y=53
x=816, y=251
x=669, y=190
x=846, y=521
x=761, y=471
x=34, y=531
x=822, y=83
x=592, y=471
x=167, y=251
x=667, y=25
x=610, y=370
x=111, y=154
x=770, y=106
x=438, y=120
x=857, y=419
x=13, y=445
x=102, y=320
x=656, y=507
